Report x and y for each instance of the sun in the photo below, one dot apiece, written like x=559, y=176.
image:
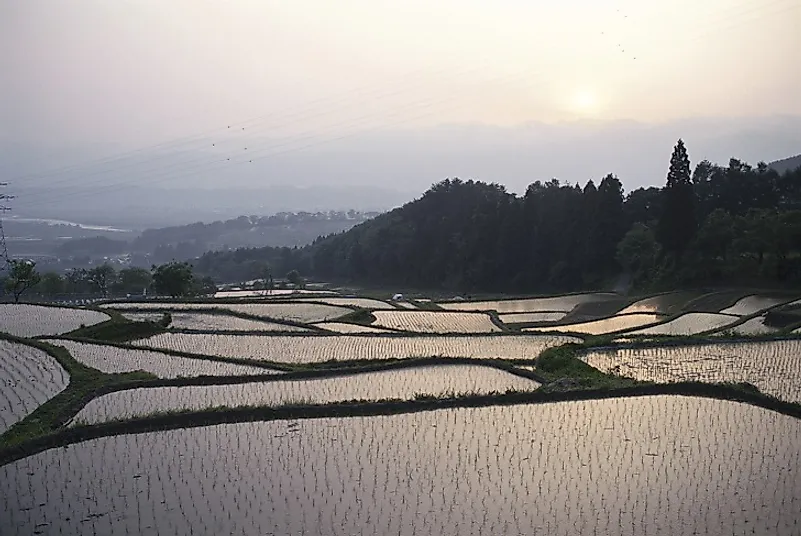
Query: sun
x=584, y=101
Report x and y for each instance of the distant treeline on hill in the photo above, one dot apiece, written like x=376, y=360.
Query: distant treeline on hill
x=715, y=224
x=187, y=241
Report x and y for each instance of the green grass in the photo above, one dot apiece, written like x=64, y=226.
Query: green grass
x=120, y=330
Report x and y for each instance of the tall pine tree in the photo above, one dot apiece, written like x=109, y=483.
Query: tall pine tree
x=677, y=224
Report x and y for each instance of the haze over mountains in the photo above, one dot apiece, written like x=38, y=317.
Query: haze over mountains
x=226, y=175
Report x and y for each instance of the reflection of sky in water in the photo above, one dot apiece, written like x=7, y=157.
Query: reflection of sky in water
x=619, y=467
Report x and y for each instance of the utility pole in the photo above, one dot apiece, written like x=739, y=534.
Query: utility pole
x=4, y=199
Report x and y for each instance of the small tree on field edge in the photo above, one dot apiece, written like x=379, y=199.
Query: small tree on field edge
x=22, y=275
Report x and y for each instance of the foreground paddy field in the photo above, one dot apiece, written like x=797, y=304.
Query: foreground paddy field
x=621, y=467
x=28, y=378
x=111, y=359
x=317, y=349
x=401, y=384
x=773, y=366
x=25, y=320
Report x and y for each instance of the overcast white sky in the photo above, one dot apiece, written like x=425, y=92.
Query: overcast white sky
x=128, y=73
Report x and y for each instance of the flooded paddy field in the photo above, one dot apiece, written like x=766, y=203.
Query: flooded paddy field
x=402, y=384
x=112, y=359
x=296, y=312
x=657, y=465
x=29, y=377
x=25, y=320
x=773, y=366
x=213, y=322
x=317, y=349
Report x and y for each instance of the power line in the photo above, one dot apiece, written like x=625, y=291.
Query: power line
x=4, y=198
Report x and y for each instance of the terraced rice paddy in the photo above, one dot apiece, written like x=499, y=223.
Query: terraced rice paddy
x=143, y=317
x=220, y=322
x=526, y=318
x=563, y=304
x=435, y=321
x=403, y=384
x=669, y=303
x=111, y=359
x=29, y=377
x=605, y=325
x=689, y=324
x=344, y=327
x=318, y=349
x=752, y=304
x=773, y=366
x=297, y=312
x=364, y=303
x=24, y=320
x=754, y=326
x=660, y=466
x=275, y=293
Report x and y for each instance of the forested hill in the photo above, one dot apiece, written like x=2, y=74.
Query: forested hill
x=713, y=224
x=786, y=164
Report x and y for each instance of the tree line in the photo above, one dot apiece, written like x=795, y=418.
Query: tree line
x=173, y=279
x=708, y=225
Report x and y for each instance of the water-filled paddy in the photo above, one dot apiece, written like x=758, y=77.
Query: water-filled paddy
x=527, y=305
x=298, y=311
x=112, y=359
x=214, y=322
x=435, y=321
x=689, y=324
x=773, y=366
x=524, y=318
x=402, y=384
x=316, y=349
x=620, y=467
x=605, y=325
x=25, y=320
x=29, y=377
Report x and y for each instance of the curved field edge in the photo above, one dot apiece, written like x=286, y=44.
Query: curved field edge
x=221, y=415
x=90, y=383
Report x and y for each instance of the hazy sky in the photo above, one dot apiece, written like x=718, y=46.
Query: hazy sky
x=146, y=70
x=121, y=74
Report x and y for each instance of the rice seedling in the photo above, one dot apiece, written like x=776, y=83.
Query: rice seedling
x=527, y=318
x=754, y=326
x=563, y=304
x=319, y=349
x=362, y=303
x=28, y=378
x=219, y=322
x=25, y=320
x=772, y=366
x=401, y=384
x=605, y=325
x=297, y=312
x=616, y=467
x=689, y=324
x=751, y=305
x=344, y=327
x=435, y=321
x=112, y=359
